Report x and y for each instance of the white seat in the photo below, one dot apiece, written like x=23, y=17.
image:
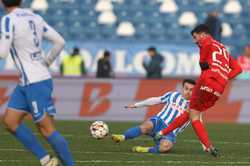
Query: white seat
x=103, y=5
x=188, y=18
x=232, y=7
x=226, y=30
x=107, y=17
x=168, y=6
x=39, y=5
x=125, y=29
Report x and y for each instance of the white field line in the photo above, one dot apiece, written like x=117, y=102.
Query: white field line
x=148, y=139
x=122, y=153
x=166, y=162
x=102, y=152
x=147, y=162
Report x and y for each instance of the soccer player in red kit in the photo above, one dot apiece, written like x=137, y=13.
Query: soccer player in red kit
x=217, y=68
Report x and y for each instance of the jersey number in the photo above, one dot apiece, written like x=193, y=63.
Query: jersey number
x=220, y=52
x=34, y=32
x=35, y=107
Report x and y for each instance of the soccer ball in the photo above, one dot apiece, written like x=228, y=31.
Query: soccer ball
x=99, y=129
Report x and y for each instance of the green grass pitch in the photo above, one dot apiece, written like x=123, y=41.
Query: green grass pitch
x=232, y=140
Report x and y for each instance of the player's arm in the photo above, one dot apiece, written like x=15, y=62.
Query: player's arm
x=6, y=36
x=150, y=101
x=58, y=43
x=235, y=68
x=204, y=51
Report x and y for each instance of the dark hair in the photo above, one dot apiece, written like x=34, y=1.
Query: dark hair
x=11, y=3
x=76, y=51
x=201, y=28
x=106, y=53
x=190, y=81
x=152, y=49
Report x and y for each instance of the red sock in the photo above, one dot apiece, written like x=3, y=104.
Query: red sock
x=177, y=122
x=201, y=133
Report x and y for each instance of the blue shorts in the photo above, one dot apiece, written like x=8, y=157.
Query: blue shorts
x=35, y=99
x=158, y=126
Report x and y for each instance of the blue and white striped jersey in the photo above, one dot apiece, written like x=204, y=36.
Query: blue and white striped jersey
x=21, y=35
x=175, y=105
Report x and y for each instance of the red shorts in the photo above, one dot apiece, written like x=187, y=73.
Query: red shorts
x=205, y=93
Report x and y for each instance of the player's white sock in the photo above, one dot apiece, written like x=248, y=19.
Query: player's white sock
x=45, y=160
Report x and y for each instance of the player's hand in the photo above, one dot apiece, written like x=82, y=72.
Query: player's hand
x=158, y=136
x=45, y=62
x=130, y=106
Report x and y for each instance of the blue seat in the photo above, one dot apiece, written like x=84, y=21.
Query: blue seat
x=77, y=20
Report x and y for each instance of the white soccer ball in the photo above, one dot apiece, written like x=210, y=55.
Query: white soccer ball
x=99, y=129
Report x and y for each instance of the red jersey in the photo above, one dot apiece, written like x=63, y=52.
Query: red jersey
x=244, y=62
x=222, y=66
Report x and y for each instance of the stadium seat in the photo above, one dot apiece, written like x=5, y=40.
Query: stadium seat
x=188, y=18
x=103, y=5
x=107, y=17
x=226, y=30
x=125, y=29
x=39, y=5
x=168, y=6
x=152, y=20
x=232, y=7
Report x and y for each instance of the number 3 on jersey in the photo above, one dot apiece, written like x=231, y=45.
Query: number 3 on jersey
x=34, y=32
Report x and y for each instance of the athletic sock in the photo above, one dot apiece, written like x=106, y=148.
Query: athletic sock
x=155, y=149
x=201, y=133
x=45, y=160
x=28, y=139
x=132, y=133
x=177, y=122
x=60, y=145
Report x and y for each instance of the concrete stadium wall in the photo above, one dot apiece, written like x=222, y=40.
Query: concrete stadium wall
x=104, y=99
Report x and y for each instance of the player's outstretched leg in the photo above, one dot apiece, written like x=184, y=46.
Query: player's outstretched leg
x=13, y=122
x=144, y=128
x=56, y=140
x=118, y=138
x=177, y=122
x=141, y=149
x=129, y=134
x=202, y=133
x=164, y=146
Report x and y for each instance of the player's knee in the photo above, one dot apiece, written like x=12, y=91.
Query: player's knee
x=46, y=130
x=9, y=124
x=194, y=115
x=46, y=126
x=144, y=129
x=166, y=146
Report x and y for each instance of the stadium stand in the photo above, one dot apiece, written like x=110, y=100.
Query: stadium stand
x=155, y=20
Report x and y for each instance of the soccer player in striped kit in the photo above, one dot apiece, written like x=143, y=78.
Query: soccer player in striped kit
x=176, y=103
x=21, y=34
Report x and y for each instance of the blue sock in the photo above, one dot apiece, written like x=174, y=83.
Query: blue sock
x=61, y=148
x=155, y=149
x=28, y=139
x=132, y=133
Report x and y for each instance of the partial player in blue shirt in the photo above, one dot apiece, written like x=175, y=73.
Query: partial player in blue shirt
x=21, y=36
x=175, y=104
